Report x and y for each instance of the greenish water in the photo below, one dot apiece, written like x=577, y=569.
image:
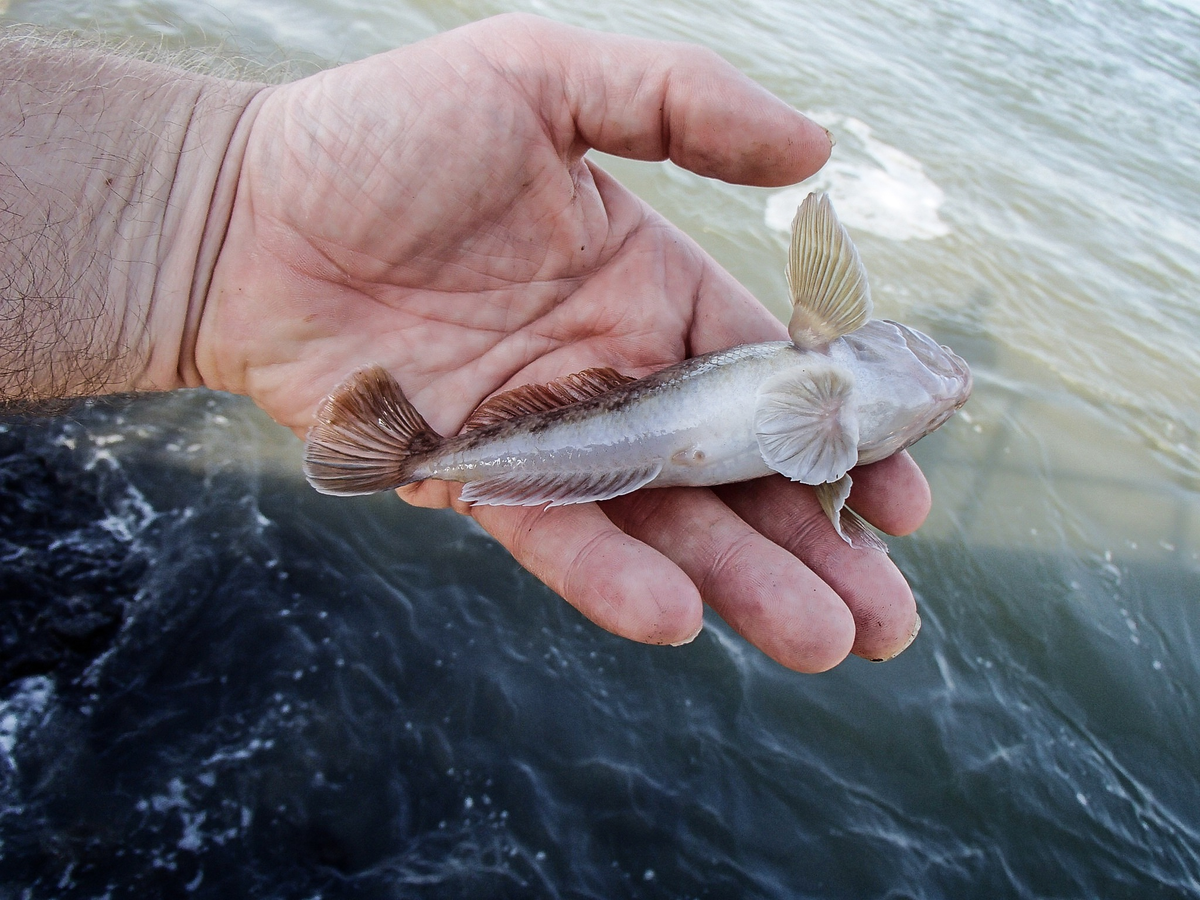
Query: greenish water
x=216, y=682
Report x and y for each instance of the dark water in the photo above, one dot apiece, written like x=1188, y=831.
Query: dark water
x=218, y=683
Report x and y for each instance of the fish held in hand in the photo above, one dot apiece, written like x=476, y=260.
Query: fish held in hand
x=844, y=391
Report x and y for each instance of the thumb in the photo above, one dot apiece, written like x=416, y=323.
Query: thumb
x=655, y=100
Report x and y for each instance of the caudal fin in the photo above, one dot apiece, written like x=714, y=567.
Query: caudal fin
x=366, y=437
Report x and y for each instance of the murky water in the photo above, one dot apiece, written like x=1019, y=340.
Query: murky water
x=214, y=681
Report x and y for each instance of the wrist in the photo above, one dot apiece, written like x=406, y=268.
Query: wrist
x=115, y=176
x=195, y=225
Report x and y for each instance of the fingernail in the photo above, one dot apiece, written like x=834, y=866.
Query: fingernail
x=911, y=637
x=829, y=134
x=688, y=640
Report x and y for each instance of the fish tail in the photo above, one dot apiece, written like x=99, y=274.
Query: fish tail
x=368, y=437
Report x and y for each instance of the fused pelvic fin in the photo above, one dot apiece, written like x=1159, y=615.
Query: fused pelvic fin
x=805, y=422
x=850, y=526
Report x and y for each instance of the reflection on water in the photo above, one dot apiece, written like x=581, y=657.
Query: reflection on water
x=214, y=681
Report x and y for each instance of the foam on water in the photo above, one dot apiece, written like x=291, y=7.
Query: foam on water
x=874, y=186
x=23, y=706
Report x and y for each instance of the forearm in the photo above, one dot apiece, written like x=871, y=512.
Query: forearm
x=117, y=177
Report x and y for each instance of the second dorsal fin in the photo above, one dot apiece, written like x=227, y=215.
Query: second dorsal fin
x=535, y=398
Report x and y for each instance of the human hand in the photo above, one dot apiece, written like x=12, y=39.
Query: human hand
x=431, y=210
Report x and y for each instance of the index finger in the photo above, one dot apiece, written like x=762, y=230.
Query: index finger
x=617, y=581
x=687, y=104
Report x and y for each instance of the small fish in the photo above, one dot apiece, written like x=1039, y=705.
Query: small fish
x=845, y=390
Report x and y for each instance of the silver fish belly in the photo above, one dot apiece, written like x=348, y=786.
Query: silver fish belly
x=845, y=390
x=688, y=424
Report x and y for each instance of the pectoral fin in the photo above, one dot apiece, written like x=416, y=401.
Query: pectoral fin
x=830, y=294
x=850, y=526
x=805, y=423
x=559, y=489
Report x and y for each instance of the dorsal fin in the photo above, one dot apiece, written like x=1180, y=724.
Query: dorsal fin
x=535, y=398
x=830, y=295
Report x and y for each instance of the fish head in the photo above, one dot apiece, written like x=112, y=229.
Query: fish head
x=907, y=385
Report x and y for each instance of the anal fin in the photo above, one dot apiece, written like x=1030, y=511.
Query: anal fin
x=559, y=489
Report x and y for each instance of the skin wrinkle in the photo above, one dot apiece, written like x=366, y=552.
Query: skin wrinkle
x=507, y=321
x=500, y=74
x=880, y=603
x=666, y=118
x=634, y=514
x=545, y=332
x=578, y=581
x=447, y=265
x=547, y=77
x=724, y=561
x=594, y=95
x=808, y=530
x=541, y=272
x=890, y=516
x=685, y=149
x=102, y=143
x=536, y=530
x=504, y=334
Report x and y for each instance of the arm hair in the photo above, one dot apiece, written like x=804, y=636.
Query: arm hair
x=116, y=180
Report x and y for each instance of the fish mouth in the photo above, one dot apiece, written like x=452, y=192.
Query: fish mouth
x=943, y=362
x=936, y=357
x=956, y=381
x=961, y=375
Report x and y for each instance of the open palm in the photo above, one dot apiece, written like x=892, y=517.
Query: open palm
x=431, y=210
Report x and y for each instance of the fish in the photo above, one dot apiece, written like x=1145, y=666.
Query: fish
x=845, y=390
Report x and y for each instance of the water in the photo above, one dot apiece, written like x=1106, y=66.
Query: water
x=216, y=682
